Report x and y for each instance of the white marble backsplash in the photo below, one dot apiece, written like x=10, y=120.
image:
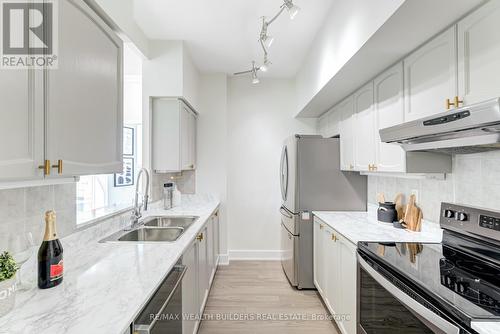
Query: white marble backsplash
x=475, y=181
x=23, y=209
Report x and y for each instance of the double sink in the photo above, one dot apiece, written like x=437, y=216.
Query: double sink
x=155, y=229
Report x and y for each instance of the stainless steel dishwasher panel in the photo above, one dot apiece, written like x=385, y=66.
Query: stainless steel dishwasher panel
x=163, y=312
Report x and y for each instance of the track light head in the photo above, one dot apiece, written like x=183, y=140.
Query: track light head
x=265, y=66
x=264, y=38
x=293, y=10
x=255, y=78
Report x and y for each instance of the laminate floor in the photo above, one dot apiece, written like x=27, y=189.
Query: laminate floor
x=250, y=297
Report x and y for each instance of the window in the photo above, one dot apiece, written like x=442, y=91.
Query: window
x=102, y=195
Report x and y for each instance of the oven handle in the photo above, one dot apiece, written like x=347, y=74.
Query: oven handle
x=410, y=303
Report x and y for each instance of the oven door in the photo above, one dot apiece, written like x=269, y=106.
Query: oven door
x=385, y=306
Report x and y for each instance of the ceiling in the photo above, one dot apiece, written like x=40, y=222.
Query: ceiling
x=222, y=35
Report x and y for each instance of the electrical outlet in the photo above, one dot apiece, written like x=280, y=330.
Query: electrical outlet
x=415, y=192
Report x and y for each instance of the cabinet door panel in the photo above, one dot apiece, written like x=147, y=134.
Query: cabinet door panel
x=21, y=125
x=346, y=110
x=202, y=270
x=347, y=282
x=332, y=266
x=364, y=128
x=192, y=140
x=210, y=249
x=84, y=116
x=430, y=76
x=318, y=254
x=389, y=111
x=479, y=54
x=190, y=303
x=185, y=141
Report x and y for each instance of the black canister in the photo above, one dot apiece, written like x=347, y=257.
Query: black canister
x=387, y=213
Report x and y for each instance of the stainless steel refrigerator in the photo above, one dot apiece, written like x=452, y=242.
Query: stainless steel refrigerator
x=311, y=180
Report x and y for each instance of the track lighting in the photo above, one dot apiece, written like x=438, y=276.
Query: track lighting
x=253, y=71
x=255, y=78
x=266, y=40
x=265, y=66
x=293, y=10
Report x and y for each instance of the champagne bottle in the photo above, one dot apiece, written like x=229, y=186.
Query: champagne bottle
x=50, y=255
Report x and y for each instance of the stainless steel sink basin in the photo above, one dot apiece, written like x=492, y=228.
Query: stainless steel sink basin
x=153, y=234
x=183, y=222
x=155, y=229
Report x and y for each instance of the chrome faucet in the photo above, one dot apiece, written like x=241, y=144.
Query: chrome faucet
x=137, y=211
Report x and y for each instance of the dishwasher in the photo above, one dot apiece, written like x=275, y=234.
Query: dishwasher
x=163, y=312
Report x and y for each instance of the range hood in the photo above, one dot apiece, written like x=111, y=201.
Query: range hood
x=471, y=129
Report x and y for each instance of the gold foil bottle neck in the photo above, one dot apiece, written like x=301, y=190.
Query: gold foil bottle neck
x=50, y=226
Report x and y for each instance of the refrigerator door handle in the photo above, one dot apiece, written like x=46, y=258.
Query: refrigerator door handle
x=285, y=213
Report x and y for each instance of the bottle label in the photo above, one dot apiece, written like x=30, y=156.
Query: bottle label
x=56, y=271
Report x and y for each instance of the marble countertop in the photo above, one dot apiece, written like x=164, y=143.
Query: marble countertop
x=105, y=284
x=363, y=226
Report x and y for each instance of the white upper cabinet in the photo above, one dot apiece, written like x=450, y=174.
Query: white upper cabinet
x=21, y=125
x=364, y=127
x=389, y=111
x=346, y=128
x=173, y=134
x=431, y=76
x=84, y=95
x=479, y=54
x=328, y=124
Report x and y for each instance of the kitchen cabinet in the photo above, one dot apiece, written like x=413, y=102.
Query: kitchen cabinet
x=21, y=124
x=173, y=135
x=328, y=124
x=347, y=135
x=69, y=119
x=201, y=263
x=389, y=111
x=335, y=274
x=190, y=304
x=479, y=54
x=364, y=120
x=84, y=113
x=430, y=76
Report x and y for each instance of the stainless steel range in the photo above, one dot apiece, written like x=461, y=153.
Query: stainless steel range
x=311, y=179
x=452, y=287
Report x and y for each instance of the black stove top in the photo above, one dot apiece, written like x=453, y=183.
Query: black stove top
x=467, y=284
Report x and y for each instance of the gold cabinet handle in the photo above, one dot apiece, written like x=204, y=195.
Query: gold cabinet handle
x=199, y=237
x=59, y=166
x=334, y=237
x=458, y=102
x=45, y=167
x=449, y=104
x=321, y=226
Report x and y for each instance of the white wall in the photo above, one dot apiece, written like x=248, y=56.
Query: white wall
x=347, y=27
x=259, y=120
x=211, y=171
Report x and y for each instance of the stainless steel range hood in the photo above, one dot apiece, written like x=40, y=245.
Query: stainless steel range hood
x=471, y=129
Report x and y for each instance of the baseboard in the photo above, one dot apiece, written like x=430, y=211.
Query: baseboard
x=249, y=255
x=223, y=259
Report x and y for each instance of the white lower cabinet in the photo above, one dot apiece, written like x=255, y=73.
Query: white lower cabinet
x=201, y=259
x=335, y=275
